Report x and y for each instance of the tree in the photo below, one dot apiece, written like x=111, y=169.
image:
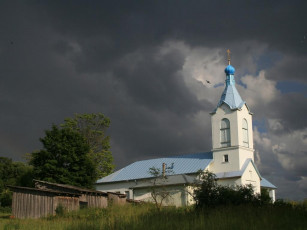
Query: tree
x=93, y=127
x=64, y=159
x=205, y=194
x=159, y=191
x=12, y=173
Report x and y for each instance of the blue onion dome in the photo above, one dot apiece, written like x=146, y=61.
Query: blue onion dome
x=230, y=70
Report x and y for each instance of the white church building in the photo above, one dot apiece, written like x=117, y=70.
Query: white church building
x=231, y=158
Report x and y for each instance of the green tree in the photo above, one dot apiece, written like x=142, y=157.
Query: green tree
x=93, y=127
x=206, y=193
x=64, y=159
x=12, y=173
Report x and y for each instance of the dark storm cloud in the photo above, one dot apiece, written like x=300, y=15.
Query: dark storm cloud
x=155, y=81
x=108, y=29
x=290, y=109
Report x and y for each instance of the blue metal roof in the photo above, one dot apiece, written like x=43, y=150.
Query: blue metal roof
x=230, y=96
x=183, y=164
x=266, y=184
x=170, y=180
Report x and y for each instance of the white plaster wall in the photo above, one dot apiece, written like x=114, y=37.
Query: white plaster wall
x=237, y=156
x=250, y=176
x=244, y=114
x=190, y=195
x=272, y=194
x=235, y=118
x=230, y=182
x=223, y=112
x=237, y=153
x=218, y=164
x=178, y=195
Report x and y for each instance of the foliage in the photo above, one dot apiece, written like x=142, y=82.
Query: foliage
x=64, y=159
x=159, y=190
x=265, y=196
x=12, y=173
x=210, y=194
x=6, y=198
x=6, y=210
x=60, y=210
x=93, y=128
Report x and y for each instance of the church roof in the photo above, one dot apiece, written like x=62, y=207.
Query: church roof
x=169, y=180
x=183, y=164
x=230, y=96
x=266, y=184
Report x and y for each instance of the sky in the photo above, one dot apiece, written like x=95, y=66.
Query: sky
x=146, y=65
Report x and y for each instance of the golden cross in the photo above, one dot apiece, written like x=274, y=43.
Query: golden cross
x=228, y=55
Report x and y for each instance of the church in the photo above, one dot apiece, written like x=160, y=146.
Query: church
x=231, y=158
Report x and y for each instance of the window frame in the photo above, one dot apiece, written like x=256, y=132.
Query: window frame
x=225, y=140
x=245, y=138
x=226, y=158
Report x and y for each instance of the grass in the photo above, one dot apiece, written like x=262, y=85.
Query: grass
x=147, y=217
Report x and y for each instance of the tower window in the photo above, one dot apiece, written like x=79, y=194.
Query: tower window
x=225, y=133
x=226, y=158
x=245, y=133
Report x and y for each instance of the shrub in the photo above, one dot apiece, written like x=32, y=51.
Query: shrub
x=5, y=209
x=6, y=198
x=60, y=210
x=210, y=194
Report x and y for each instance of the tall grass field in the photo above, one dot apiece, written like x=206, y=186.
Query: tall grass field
x=146, y=217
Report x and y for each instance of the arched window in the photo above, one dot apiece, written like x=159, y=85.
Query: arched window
x=225, y=133
x=245, y=133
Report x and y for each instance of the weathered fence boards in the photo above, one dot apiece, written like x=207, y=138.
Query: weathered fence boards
x=46, y=197
x=35, y=203
x=93, y=198
x=116, y=198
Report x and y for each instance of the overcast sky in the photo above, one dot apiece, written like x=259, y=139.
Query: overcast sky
x=145, y=64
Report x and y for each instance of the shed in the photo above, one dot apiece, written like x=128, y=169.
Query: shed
x=43, y=200
x=88, y=197
x=36, y=203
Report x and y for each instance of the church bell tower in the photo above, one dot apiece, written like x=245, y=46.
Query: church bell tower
x=232, y=135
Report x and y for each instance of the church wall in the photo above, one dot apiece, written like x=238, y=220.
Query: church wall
x=245, y=154
x=178, y=195
x=250, y=176
x=189, y=195
x=219, y=165
x=244, y=114
x=272, y=194
x=236, y=120
x=230, y=182
x=223, y=112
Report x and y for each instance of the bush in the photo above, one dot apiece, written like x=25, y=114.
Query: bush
x=60, y=210
x=6, y=198
x=210, y=194
x=5, y=209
